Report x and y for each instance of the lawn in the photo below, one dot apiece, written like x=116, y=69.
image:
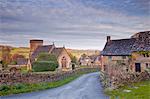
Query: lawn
x=140, y=90
x=23, y=88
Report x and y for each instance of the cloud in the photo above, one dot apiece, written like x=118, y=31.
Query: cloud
x=72, y=20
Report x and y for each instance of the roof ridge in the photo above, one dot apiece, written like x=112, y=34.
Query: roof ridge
x=46, y=45
x=122, y=39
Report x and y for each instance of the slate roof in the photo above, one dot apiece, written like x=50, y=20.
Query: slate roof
x=142, y=45
x=48, y=49
x=127, y=46
x=22, y=61
x=40, y=49
x=57, y=51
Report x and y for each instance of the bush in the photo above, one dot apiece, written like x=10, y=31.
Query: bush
x=19, y=86
x=13, y=63
x=46, y=57
x=4, y=88
x=40, y=66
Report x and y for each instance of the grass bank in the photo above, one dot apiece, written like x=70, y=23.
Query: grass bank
x=23, y=88
x=140, y=90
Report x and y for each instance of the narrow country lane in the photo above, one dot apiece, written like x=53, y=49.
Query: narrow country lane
x=85, y=87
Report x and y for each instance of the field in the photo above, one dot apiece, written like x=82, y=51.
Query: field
x=22, y=51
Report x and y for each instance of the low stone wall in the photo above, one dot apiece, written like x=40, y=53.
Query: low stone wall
x=129, y=79
x=14, y=78
x=125, y=79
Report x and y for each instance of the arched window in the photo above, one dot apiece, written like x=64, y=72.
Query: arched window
x=64, y=62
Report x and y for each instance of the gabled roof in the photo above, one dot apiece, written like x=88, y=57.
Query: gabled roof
x=138, y=42
x=143, y=41
x=118, y=47
x=40, y=49
x=57, y=51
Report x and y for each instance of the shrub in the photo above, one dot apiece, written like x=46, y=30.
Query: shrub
x=19, y=86
x=4, y=88
x=73, y=59
x=46, y=57
x=13, y=63
x=40, y=66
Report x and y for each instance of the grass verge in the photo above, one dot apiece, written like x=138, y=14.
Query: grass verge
x=23, y=88
x=140, y=90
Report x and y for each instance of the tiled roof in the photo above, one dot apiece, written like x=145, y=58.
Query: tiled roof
x=22, y=61
x=57, y=51
x=47, y=48
x=40, y=49
x=118, y=47
x=138, y=42
x=142, y=44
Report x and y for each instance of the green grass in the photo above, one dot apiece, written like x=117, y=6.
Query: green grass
x=140, y=90
x=23, y=88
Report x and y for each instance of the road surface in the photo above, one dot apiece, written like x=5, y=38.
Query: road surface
x=85, y=87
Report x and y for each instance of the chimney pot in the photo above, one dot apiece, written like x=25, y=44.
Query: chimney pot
x=108, y=38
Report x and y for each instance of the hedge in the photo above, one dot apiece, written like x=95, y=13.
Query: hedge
x=40, y=66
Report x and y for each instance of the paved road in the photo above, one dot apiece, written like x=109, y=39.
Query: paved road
x=85, y=87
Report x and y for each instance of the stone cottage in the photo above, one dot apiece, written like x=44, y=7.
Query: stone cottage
x=93, y=60
x=85, y=60
x=63, y=58
x=133, y=53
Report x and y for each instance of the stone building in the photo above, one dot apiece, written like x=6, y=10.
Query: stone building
x=93, y=60
x=61, y=53
x=133, y=53
x=85, y=61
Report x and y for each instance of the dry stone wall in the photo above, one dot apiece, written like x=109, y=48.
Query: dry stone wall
x=123, y=79
x=11, y=78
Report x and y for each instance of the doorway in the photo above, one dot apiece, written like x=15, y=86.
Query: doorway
x=137, y=67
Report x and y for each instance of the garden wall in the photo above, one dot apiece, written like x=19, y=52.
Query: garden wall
x=123, y=79
x=12, y=78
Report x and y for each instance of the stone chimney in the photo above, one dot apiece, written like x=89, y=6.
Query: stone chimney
x=34, y=44
x=108, y=38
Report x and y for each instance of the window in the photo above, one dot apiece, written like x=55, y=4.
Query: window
x=110, y=57
x=123, y=57
x=146, y=65
x=147, y=55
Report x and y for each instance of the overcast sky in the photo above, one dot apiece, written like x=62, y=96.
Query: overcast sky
x=81, y=24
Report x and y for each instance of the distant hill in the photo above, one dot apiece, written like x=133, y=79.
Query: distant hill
x=78, y=53
x=75, y=52
x=19, y=50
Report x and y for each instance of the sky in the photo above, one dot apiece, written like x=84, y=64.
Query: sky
x=78, y=24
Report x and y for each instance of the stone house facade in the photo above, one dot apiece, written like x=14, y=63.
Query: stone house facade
x=140, y=60
x=85, y=61
x=93, y=60
x=61, y=53
x=133, y=54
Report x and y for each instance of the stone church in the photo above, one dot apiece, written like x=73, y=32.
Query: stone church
x=63, y=58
